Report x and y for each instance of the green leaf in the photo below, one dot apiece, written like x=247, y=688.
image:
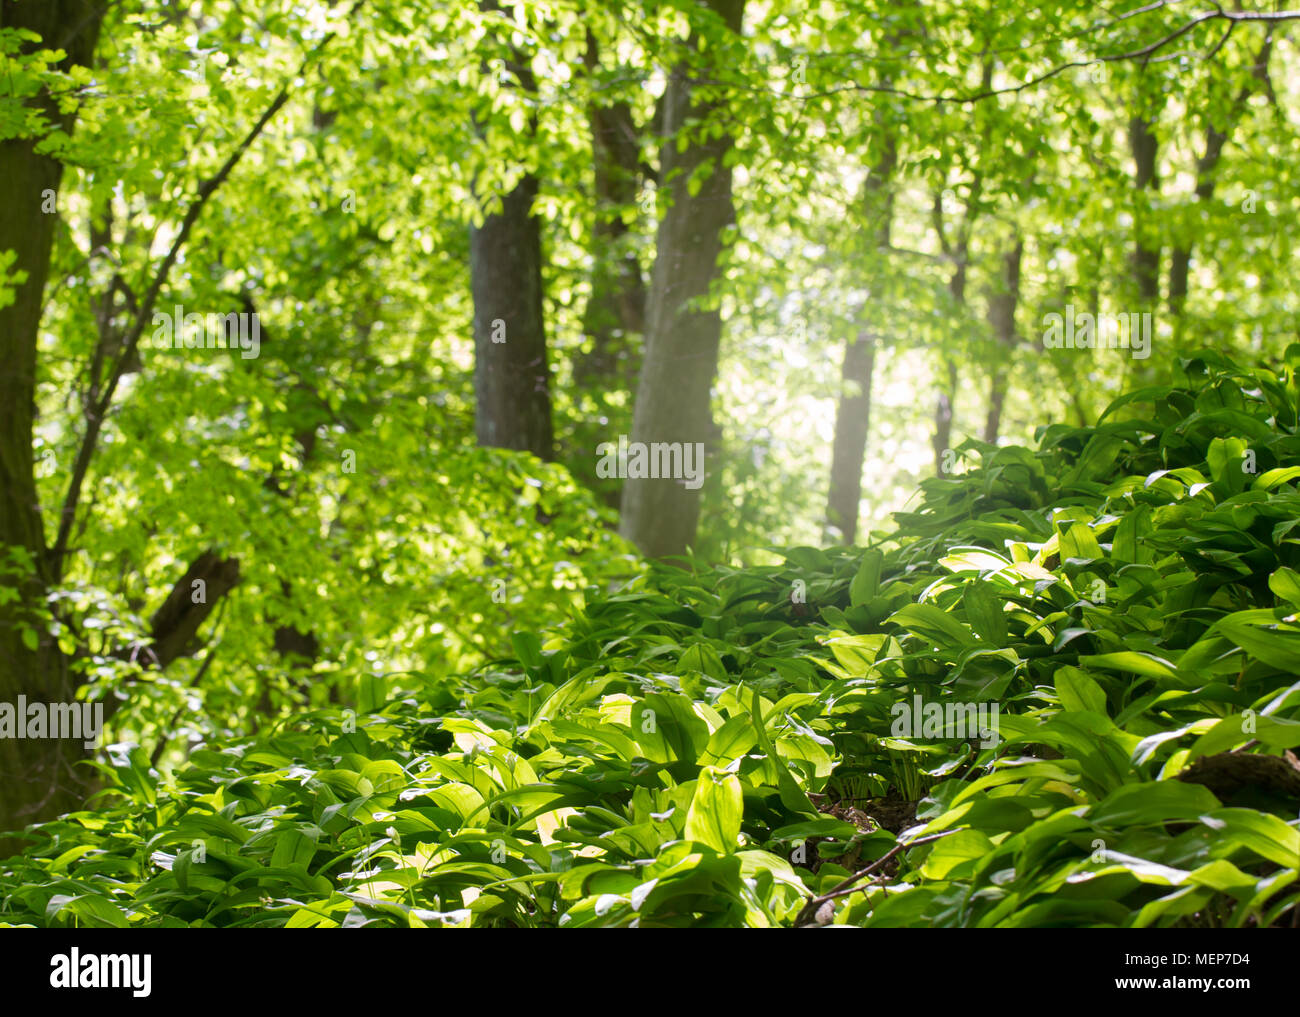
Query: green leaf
x=866, y=582
x=791, y=795
x=1153, y=803
x=372, y=693
x=1145, y=664
x=1277, y=647
x=1285, y=583
x=955, y=852
x=1079, y=692
x=667, y=728
x=715, y=811
x=933, y=625
x=1079, y=542
x=1270, y=479
x=528, y=648
x=984, y=608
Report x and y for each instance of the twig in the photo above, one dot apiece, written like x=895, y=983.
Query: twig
x=808, y=915
x=97, y=413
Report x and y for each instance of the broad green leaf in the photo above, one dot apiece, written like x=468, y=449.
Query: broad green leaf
x=716, y=809
x=867, y=579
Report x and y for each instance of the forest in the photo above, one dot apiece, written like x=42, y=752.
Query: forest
x=634, y=464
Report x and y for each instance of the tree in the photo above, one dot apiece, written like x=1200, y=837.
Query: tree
x=615, y=312
x=512, y=375
x=853, y=414
x=1144, y=146
x=682, y=339
x=511, y=372
x=42, y=780
x=1002, y=305
x=38, y=781
x=1207, y=165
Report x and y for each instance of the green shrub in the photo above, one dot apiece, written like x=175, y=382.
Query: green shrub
x=713, y=746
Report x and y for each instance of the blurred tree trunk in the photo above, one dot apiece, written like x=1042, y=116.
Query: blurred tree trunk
x=958, y=250
x=1144, y=147
x=512, y=377
x=943, y=410
x=1002, y=318
x=511, y=374
x=614, y=319
x=852, y=422
x=615, y=312
x=1206, y=166
x=37, y=778
x=853, y=414
x=681, y=345
x=1145, y=258
x=1180, y=258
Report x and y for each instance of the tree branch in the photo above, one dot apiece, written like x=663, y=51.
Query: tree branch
x=1143, y=53
x=808, y=914
x=97, y=413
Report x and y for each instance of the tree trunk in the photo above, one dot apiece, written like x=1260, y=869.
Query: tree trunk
x=853, y=414
x=943, y=413
x=944, y=408
x=512, y=376
x=175, y=625
x=960, y=254
x=1002, y=318
x=1146, y=257
x=1206, y=166
x=615, y=312
x=1180, y=259
x=681, y=355
x=37, y=778
x=852, y=422
x=614, y=319
x=511, y=373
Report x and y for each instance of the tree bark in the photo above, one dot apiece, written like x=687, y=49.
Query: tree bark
x=943, y=408
x=613, y=320
x=512, y=377
x=853, y=414
x=681, y=355
x=175, y=625
x=1181, y=257
x=1206, y=166
x=943, y=413
x=1002, y=318
x=615, y=312
x=852, y=422
x=37, y=778
x=511, y=373
x=1144, y=147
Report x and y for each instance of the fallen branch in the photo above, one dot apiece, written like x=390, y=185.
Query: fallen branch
x=808, y=916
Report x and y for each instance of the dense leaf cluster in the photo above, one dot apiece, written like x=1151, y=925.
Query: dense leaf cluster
x=717, y=747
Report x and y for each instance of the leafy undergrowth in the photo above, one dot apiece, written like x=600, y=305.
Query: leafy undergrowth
x=717, y=748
